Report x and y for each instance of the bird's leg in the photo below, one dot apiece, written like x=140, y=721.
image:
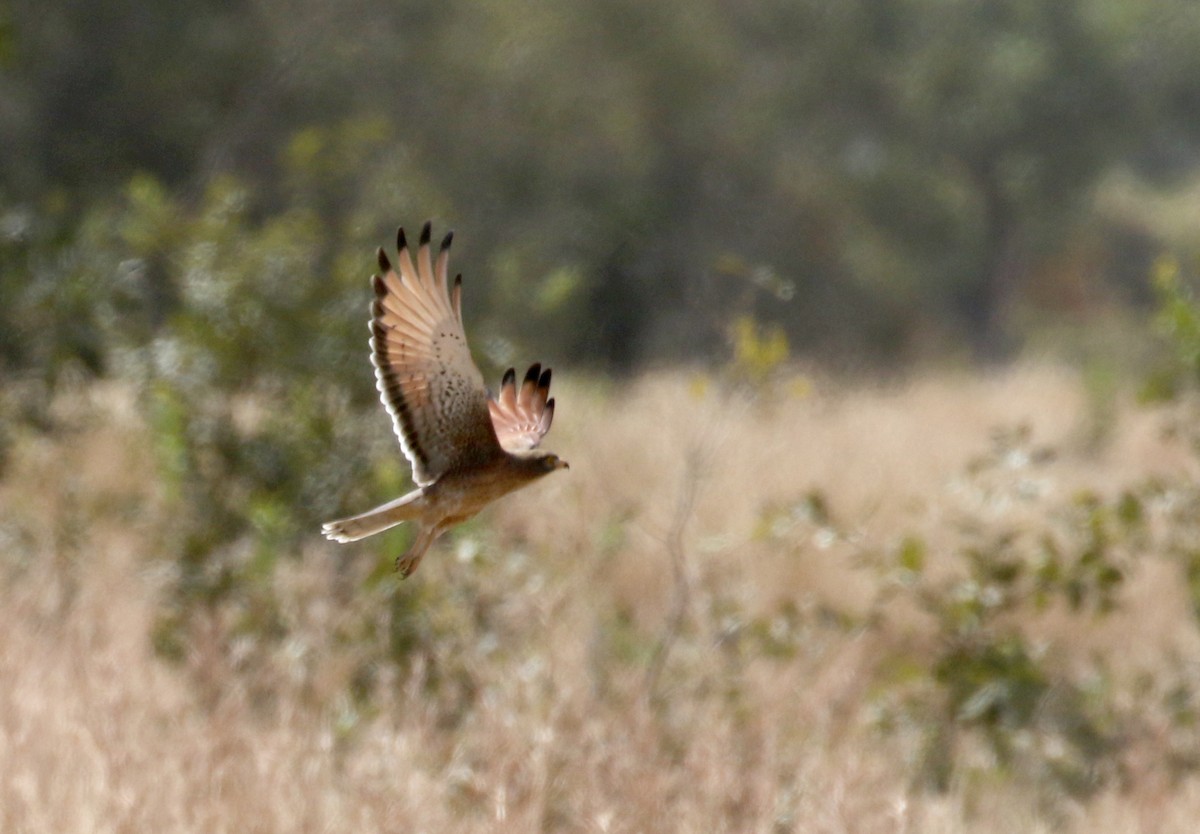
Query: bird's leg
x=407, y=562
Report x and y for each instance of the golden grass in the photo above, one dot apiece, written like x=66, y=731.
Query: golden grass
x=562, y=726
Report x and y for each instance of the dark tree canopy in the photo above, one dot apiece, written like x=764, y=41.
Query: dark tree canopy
x=878, y=178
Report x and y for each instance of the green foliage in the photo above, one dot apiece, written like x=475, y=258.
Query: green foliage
x=978, y=690
x=891, y=165
x=757, y=352
x=1178, y=320
x=249, y=362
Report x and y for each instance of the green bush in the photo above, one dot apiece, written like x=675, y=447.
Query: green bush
x=980, y=690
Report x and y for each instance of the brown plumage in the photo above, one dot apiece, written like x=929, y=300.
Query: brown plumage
x=466, y=448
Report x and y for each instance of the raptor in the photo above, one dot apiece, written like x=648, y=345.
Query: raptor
x=467, y=448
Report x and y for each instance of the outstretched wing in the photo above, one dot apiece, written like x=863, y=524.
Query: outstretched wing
x=423, y=367
x=522, y=418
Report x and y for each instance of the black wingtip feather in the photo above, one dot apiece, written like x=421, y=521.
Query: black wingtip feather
x=534, y=372
x=379, y=286
x=510, y=378
x=544, y=381
x=384, y=263
x=401, y=240
x=426, y=232
x=447, y=240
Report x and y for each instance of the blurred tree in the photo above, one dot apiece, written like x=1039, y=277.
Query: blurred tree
x=1013, y=110
x=646, y=173
x=957, y=142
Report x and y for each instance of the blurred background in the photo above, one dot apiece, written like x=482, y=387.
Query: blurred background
x=886, y=182
x=718, y=220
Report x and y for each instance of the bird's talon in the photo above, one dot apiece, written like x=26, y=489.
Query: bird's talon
x=405, y=565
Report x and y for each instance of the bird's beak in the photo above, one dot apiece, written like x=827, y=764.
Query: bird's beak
x=562, y=464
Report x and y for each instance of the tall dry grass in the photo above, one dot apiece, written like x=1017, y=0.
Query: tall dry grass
x=619, y=681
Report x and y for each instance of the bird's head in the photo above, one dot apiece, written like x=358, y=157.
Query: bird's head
x=540, y=462
x=552, y=461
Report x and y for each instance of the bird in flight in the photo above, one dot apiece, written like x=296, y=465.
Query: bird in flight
x=467, y=448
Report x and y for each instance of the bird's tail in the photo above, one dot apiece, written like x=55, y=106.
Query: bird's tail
x=404, y=508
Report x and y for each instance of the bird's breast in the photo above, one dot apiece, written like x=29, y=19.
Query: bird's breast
x=462, y=493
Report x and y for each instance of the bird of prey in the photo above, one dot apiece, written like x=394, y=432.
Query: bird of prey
x=467, y=448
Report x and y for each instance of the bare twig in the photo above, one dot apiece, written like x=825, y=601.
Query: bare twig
x=693, y=472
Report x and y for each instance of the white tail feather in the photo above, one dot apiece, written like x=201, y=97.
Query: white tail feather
x=404, y=508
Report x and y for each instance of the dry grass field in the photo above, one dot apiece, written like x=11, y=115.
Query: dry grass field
x=695, y=629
